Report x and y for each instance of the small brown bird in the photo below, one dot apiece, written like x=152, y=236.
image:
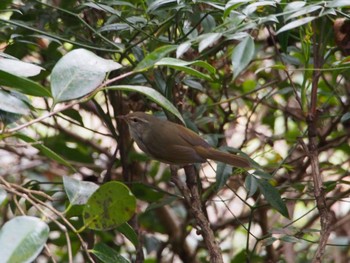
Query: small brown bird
x=172, y=143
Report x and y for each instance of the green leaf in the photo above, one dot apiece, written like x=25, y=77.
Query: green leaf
x=129, y=233
x=251, y=8
x=8, y=117
x=3, y=196
x=208, y=23
x=296, y=23
x=338, y=3
x=22, y=239
x=193, y=84
x=242, y=55
x=13, y=102
x=208, y=40
x=110, y=206
x=263, y=174
x=273, y=197
x=145, y=192
x=157, y=4
x=251, y=183
x=303, y=11
x=269, y=241
x=106, y=254
x=23, y=85
x=78, y=192
x=233, y=4
x=74, y=115
x=290, y=239
x=153, y=95
x=78, y=73
x=182, y=49
x=19, y=68
x=182, y=65
x=102, y=7
x=223, y=172
x=294, y=6
x=154, y=56
x=44, y=150
x=345, y=117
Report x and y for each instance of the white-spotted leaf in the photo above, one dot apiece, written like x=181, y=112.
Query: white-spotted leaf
x=109, y=206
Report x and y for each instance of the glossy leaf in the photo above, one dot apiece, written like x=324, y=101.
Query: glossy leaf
x=269, y=241
x=22, y=239
x=115, y=27
x=345, y=117
x=183, y=66
x=233, y=4
x=208, y=40
x=154, y=56
x=293, y=6
x=102, y=7
x=290, y=239
x=242, y=55
x=106, y=254
x=338, y=3
x=262, y=174
x=193, y=84
x=19, y=68
x=153, y=95
x=296, y=23
x=110, y=206
x=208, y=24
x=145, y=193
x=251, y=8
x=157, y=4
x=303, y=11
x=3, y=196
x=273, y=197
x=8, y=117
x=23, y=85
x=78, y=192
x=182, y=49
x=223, y=172
x=251, y=183
x=78, y=73
x=129, y=233
x=74, y=115
x=13, y=102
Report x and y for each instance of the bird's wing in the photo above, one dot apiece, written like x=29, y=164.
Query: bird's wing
x=174, y=149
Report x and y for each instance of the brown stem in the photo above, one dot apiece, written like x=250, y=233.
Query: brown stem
x=192, y=198
x=312, y=118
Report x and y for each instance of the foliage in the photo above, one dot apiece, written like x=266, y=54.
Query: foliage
x=270, y=78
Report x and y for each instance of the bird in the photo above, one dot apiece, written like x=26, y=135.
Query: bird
x=174, y=144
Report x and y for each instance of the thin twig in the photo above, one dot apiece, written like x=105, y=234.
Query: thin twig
x=20, y=127
x=28, y=195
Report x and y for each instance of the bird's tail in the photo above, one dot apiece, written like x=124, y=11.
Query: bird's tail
x=216, y=155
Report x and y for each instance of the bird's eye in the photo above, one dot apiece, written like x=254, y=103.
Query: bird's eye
x=135, y=120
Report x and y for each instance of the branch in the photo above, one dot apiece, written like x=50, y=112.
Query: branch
x=312, y=151
x=43, y=117
x=192, y=198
